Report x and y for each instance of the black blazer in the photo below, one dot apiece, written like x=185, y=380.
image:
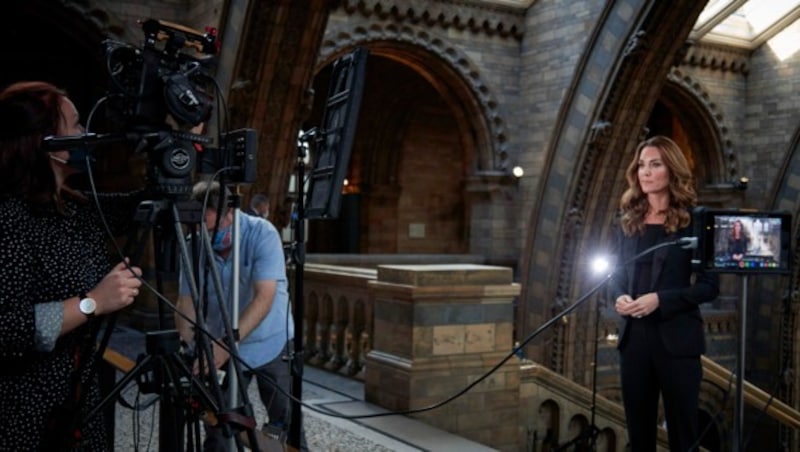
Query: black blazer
x=678, y=315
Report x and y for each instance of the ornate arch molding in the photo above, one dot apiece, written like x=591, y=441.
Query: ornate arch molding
x=431, y=57
x=623, y=72
x=685, y=88
x=786, y=196
x=718, y=57
x=477, y=17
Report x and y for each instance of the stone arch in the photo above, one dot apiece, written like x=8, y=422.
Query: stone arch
x=576, y=426
x=687, y=96
x=607, y=440
x=549, y=422
x=447, y=68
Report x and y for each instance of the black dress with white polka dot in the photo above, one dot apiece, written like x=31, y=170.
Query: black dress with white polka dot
x=50, y=255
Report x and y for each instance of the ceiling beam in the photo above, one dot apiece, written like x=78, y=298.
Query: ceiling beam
x=717, y=18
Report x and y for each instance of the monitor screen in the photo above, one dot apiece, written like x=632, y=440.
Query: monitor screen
x=743, y=242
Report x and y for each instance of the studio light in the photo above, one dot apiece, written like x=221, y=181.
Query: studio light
x=600, y=265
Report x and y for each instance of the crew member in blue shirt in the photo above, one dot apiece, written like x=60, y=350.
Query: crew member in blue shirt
x=266, y=327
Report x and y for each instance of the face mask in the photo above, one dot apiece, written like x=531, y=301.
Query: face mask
x=77, y=158
x=222, y=239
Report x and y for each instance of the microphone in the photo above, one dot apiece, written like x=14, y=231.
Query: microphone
x=53, y=143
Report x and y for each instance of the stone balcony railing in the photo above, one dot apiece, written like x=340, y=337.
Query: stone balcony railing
x=416, y=329
x=416, y=333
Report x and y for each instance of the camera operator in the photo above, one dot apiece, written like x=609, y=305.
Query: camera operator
x=259, y=206
x=266, y=327
x=56, y=276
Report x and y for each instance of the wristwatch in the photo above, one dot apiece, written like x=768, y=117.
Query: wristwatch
x=87, y=305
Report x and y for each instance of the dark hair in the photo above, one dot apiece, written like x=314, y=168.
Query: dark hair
x=682, y=195
x=29, y=111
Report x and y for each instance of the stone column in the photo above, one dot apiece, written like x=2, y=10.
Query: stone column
x=439, y=328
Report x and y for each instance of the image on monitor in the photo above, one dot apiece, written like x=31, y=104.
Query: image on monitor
x=748, y=242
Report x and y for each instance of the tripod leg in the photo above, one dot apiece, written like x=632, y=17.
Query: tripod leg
x=140, y=367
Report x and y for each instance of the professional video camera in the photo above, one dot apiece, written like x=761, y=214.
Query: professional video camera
x=159, y=98
x=160, y=93
x=150, y=83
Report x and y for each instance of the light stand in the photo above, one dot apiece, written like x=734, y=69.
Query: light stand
x=234, y=373
x=588, y=436
x=684, y=242
x=592, y=430
x=241, y=416
x=738, y=409
x=298, y=257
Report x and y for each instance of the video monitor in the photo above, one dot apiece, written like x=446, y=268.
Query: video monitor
x=739, y=241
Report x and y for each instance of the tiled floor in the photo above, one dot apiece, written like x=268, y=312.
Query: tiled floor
x=335, y=416
x=396, y=433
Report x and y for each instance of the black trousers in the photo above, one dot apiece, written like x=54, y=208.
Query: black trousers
x=647, y=371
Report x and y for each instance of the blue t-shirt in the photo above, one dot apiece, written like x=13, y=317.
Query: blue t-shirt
x=261, y=256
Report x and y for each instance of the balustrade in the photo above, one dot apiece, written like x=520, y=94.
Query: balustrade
x=339, y=337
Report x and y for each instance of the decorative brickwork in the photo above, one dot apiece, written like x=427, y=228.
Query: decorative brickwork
x=442, y=328
x=716, y=57
x=475, y=16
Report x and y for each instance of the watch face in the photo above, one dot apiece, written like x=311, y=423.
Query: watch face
x=87, y=306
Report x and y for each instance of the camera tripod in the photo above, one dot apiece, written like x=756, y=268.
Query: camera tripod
x=163, y=369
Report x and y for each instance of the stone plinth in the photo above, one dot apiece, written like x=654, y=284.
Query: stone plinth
x=439, y=329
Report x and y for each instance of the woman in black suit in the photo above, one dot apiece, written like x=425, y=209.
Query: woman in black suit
x=737, y=242
x=661, y=337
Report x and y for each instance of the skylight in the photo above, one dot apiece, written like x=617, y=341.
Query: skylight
x=749, y=24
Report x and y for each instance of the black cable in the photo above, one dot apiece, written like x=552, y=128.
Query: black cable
x=712, y=420
x=685, y=242
x=682, y=241
x=785, y=363
x=761, y=414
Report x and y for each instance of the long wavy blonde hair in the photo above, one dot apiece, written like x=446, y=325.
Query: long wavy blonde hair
x=682, y=195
